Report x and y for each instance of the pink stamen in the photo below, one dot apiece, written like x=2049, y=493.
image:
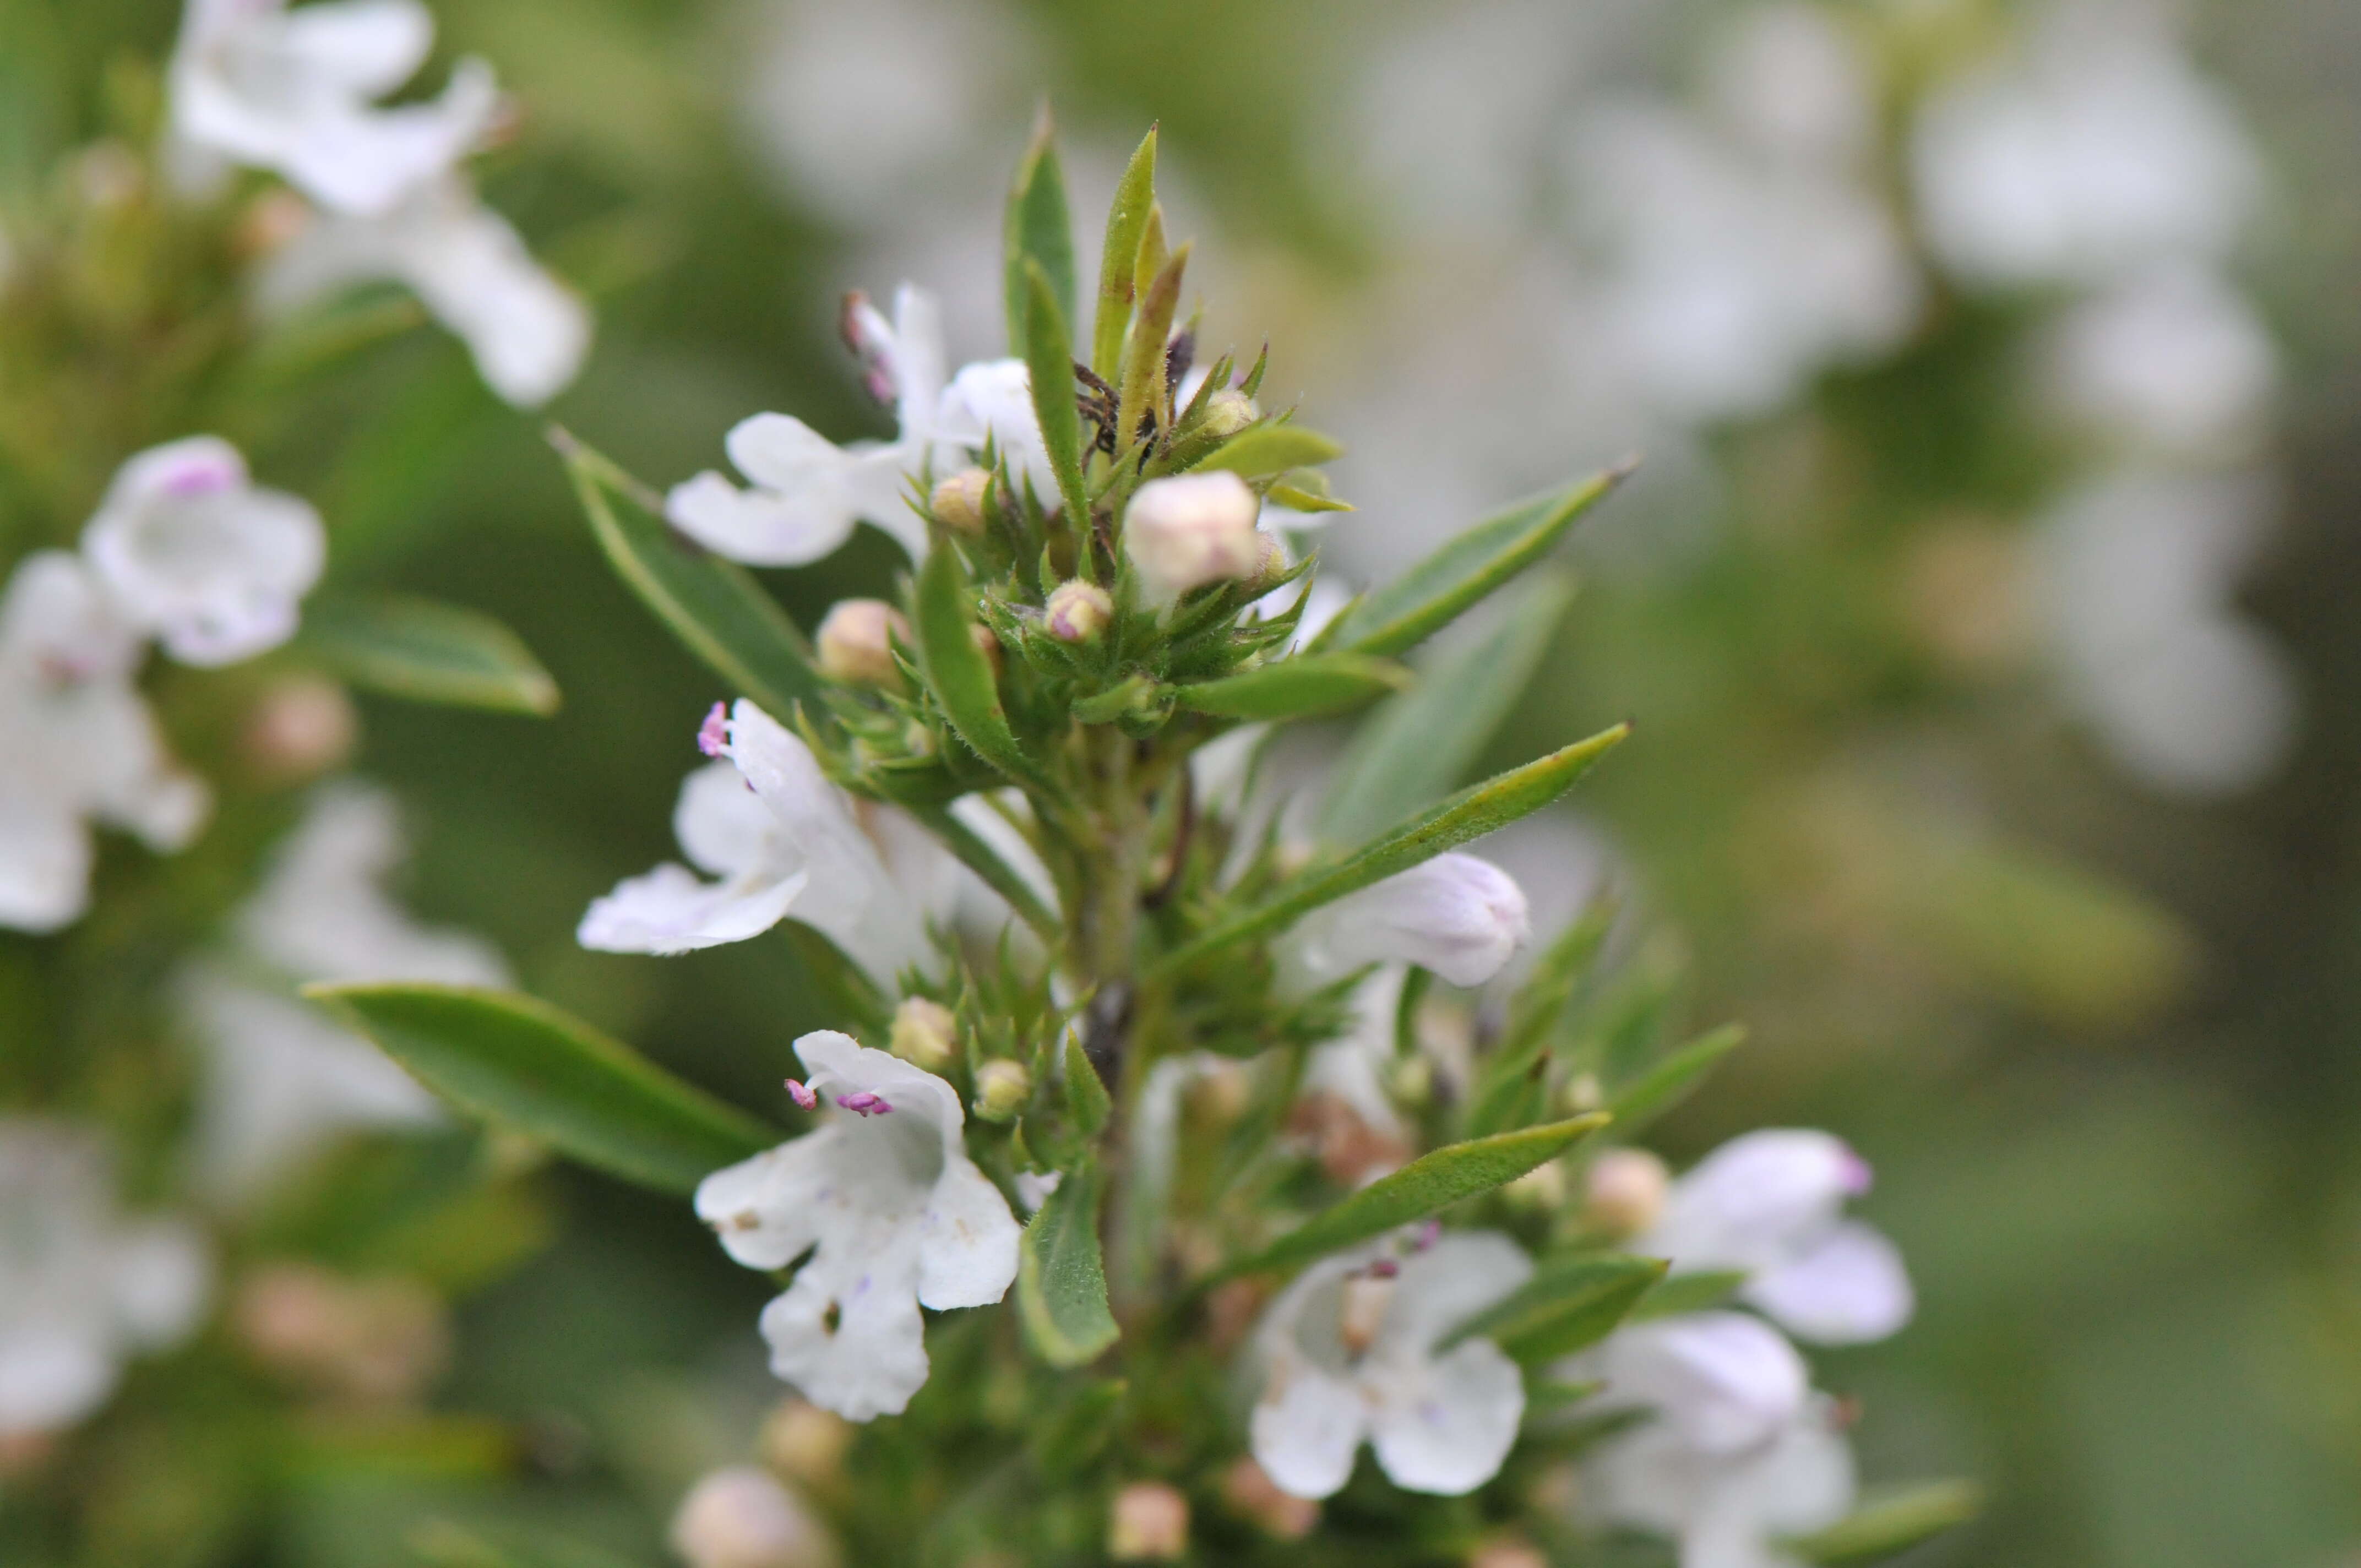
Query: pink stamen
x=802, y=1095
x=714, y=733
x=1429, y=1233
x=1383, y=1269
x=864, y=1103
x=866, y=333
x=1854, y=1175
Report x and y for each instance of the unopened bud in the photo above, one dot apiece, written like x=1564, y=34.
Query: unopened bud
x=958, y=501
x=1250, y=1492
x=372, y=1341
x=1229, y=411
x=741, y=1517
x=1270, y=558
x=1001, y=1088
x=1626, y=1191
x=1542, y=1187
x=925, y=1032
x=1362, y=1313
x=269, y=223
x=856, y=642
x=806, y=1443
x=1585, y=1095
x=1191, y=530
x=304, y=725
x=1507, y=1553
x=1078, y=612
x=1149, y=1522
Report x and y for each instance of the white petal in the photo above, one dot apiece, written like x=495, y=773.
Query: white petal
x=766, y=1209
x=45, y=859
x=1455, y=914
x=1724, y=1381
x=528, y=332
x=1850, y=1289
x=1755, y=1201
x=1306, y=1430
x=780, y=452
x=52, y=1376
x=762, y=527
x=371, y=47
x=723, y=826
x=1463, y=1273
x=161, y=1277
x=874, y=1356
x=671, y=910
x=56, y=614
x=353, y=159
x=919, y=362
x=839, y=1064
x=967, y=1241
x=1450, y=1430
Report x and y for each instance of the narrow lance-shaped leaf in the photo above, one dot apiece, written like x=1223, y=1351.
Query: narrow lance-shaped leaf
x=1891, y=1520
x=1470, y=814
x=1142, y=392
x=519, y=1061
x=1433, y=593
x=1061, y=1296
x=1301, y=687
x=957, y=670
x=1515, y=1075
x=1087, y=1100
x=1415, y=747
x=1135, y=195
x=1668, y=1082
x=425, y=652
x=1685, y=1293
x=1568, y=1305
x=1050, y=363
x=1038, y=231
x=1273, y=449
x=1426, y=1185
x=715, y=606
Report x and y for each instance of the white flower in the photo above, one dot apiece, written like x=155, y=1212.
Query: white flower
x=1769, y=1204
x=81, y=1287
x=2172, y=358
x=1347, y=1354
x=2101, y=149
x=1191, y=530
x=292, y=91
x=280, y=1078
x=76, y=743
x=741, y=1517
x=1455, y=914
x=1728, y=1510
x=1723, y=1382
x=783, y=841
x=808, y=492
x=192, y=550
x=896, y=1217
x=527, y=331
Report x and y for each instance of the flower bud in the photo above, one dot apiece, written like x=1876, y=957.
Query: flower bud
x=1626, y=1192
x=1542, y=1187
x=1455, y=914
x=1229, y=411
x=302, y=726
x=1507, y=1553
x=1270, y=558
x=856, y=642
x=371, y=1341
x=958, y=501
x=741, y=1517
x=1191, y=530
x=806, y=1443
x=1149, y=1522
x=925, y=1032
x=1250, y=1492
x=1078, y=612
x=1001, y=1088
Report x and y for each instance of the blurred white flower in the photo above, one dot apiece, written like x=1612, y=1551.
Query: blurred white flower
x=254, y=84
x=783, y=841
x=280, y=1078
x=1347, y=1355
x=2171, y=360
x=1458, y=915
x=77, y=743
x=2099, y=149
x=527, y=331
x=894, y=1214
x=808, y=492
x=192, y=550
x=1725, y=1382
x=741, y=1516
x=2141, y=569
x=1771, y=1204
x=83, y=1288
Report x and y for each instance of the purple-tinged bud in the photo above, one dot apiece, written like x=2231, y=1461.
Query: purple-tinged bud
x=1149, y=1522
x=802, y=1094
x=713, y=735
x=1078, y=612
x=302, y=727
x=856, y=642
x=958, y=501
x=864, y=1102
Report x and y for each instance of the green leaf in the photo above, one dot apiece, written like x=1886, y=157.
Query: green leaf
x=1426, y=1185
x=1087, y=1101
x=715, y=606
x=1414, y=750
x=957, y=670
x=1428, y=597
x=1300, y=687
x=1061, y=1295
x=1470, y=814
x=425, y=652
x=1050, y=363
x=1569, y=1304
x=518, y=1061
x=1273, y=449
x=1683, y=1293
x=1126, y=221
x=1143, y=390
x=1038, y=232
x=1668, y=1082
x=1893, y=1519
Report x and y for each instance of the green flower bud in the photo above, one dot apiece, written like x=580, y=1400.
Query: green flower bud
x=958, y=501
x=1001, y=1088
x=925, y=1032
x=1229, y=411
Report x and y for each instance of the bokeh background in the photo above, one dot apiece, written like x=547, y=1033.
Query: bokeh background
x=1986, y=606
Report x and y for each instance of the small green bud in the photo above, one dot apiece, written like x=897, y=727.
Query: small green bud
x=1542, y=1187
x=1078, y=612
x=958, y=501
x=856, y=642
x=925, y=1032
x=1001, y=1088
x=1229, y=411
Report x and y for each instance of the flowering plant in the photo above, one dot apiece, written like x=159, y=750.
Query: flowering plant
x=1293, y=1097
